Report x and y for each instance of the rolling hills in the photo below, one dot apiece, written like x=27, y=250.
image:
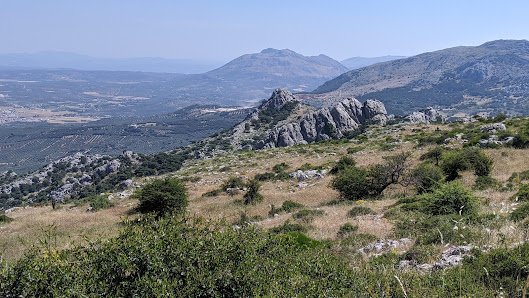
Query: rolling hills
x=490, y=78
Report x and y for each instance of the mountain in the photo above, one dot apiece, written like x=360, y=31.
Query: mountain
x=283, y=120
x=251, y=77
x=54, y=60
x=490, y=78
x=98, y=94
x=359, y=62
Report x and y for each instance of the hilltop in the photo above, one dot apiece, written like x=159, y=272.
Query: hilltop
x=490, y=78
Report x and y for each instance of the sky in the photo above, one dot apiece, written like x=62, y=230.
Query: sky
x=223, y=30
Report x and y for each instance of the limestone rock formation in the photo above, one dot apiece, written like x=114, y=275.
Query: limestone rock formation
x=427, y=116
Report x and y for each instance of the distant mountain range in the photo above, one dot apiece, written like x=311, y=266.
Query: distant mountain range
x=493, y=78
x=54, y=60
x=243, y=81
x=359, y=62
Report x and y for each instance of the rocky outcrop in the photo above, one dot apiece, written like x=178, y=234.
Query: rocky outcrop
x=323, y=124
x=493, y=127
x=427, y=116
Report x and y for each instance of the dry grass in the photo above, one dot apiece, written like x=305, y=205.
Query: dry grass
x=69, y=224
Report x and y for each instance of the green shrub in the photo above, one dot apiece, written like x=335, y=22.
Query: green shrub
x=359, y=210
x=212, y=193
x=280, y=167
x=422, y=254
x=289, y=206
x=346, y=230
x=342, y=164
x=433, y=154
x=303, y=241
x=353, y=150
x=486, y=182
x=452, y=163
x=426, y=177
x=162, y=197
x=522, y=194
x=307, y=214
x=5, y=219
x=233, y=182
x=252, y=195
x=352, y=183
x=520, y=213
x=452, y=198
x=100, y=202
x=288, y=228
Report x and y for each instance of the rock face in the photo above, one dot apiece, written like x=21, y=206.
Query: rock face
x=427, y=116
x=323, y=124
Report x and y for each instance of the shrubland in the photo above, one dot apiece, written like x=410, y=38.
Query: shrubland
x=284, y=237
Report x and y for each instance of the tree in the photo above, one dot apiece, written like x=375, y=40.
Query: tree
x=162, y=197
x=252, y=194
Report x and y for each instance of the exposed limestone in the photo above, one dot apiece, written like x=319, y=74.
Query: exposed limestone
x=427, y=116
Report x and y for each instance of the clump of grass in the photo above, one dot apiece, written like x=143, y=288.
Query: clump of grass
x=5, y=219
x=288, y=228
x=308, y=214
x=99, y=203
x=346, y=230
x=212, y=193
x=359, y=210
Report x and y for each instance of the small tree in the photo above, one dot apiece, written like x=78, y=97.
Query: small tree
x=452, y=198
x=252, y=194
x=162, y=197
x=425, y=177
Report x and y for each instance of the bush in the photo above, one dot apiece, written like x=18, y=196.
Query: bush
x=359, y=210
x=426, y=177
x=212, y=193
x=280, y=167
x=252, y=195
x=520, y=213
x=342, y=164
x=452, y=198
x=307, y=214
x=162, y=196
x=346, y=230
x=522, y=194
x=288, y=228
x=233, y=182
x=452, y=163
x=486, y=182
x=289, y=206
x=5, y=219
x=100, y=202
x=352, y=183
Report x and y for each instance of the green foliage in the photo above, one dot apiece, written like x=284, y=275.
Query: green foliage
x=308, y=214
x=100, y=202
x=451, y=198
x=162, y=197
x=353, y=150
x=342, y=164
x=5, y=219
x=303, y=241
x=280, y=167
x=426, y=177
x=468, y=158
x=519, y=176
x=486, y=182
x=346, y=230
x=252, y=195
x=288, y=228
x=421, y=254
x=270, y=117
x=356, y=183
x=289, y=206
x=433, y=154
x=520, y=213
x=233, y=182
x=352, y=183
x=308, y=167
x=359, y=210
x=522, y=194
x=212, y=193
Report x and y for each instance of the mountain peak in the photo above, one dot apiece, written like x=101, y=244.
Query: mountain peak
x=279, y=97
x=507, y=44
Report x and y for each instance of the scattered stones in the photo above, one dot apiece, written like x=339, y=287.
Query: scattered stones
x=383, y=245
x=310, y=174
x=493, y=128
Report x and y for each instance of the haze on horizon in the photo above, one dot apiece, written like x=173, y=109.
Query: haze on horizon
x=222, y=30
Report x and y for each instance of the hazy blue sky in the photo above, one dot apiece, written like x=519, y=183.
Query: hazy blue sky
x=222, y=30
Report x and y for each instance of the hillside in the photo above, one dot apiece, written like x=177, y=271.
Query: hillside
x=359, y=62
x=464, y=236
x=28, y=146
x=490, y=78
